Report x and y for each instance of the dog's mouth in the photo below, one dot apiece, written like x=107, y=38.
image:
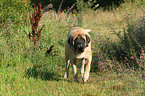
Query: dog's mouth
x=78, y=53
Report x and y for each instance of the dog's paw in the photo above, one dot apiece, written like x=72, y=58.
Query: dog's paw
x=65, y=76
x=85, y=80
x=86, y=77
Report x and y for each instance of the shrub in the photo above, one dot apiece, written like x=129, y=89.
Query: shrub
x=130, y=48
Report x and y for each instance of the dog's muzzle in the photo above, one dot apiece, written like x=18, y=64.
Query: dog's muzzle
x=79, y=48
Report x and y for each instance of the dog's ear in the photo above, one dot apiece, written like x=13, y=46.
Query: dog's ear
x=87, y=30
x=70, y=41
x=87, y=40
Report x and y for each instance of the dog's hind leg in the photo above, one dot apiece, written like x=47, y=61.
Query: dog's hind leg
x=82, y=68
x=66, y=73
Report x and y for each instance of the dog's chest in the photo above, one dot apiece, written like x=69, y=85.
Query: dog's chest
x=79, y=56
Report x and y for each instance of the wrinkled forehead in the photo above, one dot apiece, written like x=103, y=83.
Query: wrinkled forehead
x=78, y=36
x=78, y=33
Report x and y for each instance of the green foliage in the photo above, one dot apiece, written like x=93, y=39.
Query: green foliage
x=14, y=11
x=24, y=71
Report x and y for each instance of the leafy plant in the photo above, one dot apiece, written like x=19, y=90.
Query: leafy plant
x=35, y=21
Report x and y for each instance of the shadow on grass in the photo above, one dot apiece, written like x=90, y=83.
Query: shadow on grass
x=42, y=73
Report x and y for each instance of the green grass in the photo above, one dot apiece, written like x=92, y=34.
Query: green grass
x=24, y=71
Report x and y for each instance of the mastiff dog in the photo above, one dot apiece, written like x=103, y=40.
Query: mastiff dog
x=78, y=46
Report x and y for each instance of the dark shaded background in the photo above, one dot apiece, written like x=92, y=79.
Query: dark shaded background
x=66, y=4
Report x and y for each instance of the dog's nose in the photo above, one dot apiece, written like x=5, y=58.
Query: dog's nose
x=79, y=46
x=80, y=49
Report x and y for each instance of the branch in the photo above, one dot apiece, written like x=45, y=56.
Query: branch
x=39, y=32
x=70, y=8
x=25, y=32
x=60, y=6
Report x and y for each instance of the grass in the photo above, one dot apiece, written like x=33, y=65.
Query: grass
x=27, y=72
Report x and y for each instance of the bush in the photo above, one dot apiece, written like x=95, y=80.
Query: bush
x=130, y=49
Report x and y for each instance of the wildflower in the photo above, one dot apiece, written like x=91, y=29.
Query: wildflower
x=142, y=51
x=141, y=57
x=120, y=19
x=132, y=57
x=140, y=75
x=74, y=15
x=83, y=20
x=124, y=93
x=83, y=27
x=90, y=77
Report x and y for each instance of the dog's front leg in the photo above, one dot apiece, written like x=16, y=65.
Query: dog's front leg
x=74, y=70
x=86, y=75
x=82, y=68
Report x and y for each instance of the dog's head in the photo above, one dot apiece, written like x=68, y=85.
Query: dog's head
x=80, y=40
